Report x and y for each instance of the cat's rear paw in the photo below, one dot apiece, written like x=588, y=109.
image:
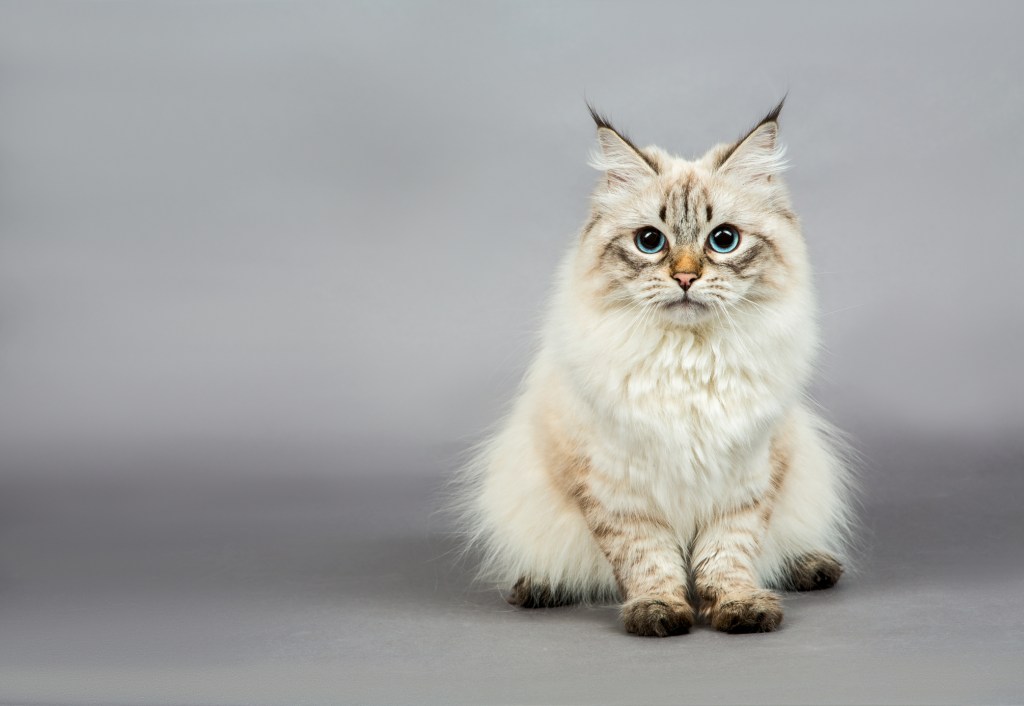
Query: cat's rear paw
x=527, y=593
x=813, y=572
x=657, y=616
x=759, y=611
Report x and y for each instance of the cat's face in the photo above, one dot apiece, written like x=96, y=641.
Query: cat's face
x=692, y=242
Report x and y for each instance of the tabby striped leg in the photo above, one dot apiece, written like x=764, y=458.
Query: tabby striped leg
x=648, y=566
x=723, y=572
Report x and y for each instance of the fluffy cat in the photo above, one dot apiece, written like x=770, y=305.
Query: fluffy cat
x=661, y=449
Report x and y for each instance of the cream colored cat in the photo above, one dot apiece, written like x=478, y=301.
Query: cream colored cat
x=662, y=429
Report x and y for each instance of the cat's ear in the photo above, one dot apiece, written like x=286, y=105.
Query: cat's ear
x=622, y=162
x=758, y=155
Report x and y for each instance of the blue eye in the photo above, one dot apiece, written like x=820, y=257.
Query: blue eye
x=649, y=240
x=725, y=238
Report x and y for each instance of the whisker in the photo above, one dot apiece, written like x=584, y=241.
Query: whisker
x=750, y=301
x=740, y=339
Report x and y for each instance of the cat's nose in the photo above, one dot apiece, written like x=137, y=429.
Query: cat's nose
x=686, y=279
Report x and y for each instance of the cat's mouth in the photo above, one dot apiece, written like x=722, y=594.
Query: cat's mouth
x=687, y=310
x=685, y=303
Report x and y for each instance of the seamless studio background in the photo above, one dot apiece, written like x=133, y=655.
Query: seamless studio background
x=268, y=268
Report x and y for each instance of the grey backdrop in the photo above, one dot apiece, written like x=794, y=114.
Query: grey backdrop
x=267, y=268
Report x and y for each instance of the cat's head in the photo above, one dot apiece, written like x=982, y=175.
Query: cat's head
x=689, y=241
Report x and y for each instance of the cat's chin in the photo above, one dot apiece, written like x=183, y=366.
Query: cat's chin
x=687, y=311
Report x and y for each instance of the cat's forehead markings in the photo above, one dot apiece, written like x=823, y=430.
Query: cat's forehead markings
x=705, y=198
x=669, y=208
x=685, y=216
x=687, y=190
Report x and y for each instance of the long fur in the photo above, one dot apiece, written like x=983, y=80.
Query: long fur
x=679, y=416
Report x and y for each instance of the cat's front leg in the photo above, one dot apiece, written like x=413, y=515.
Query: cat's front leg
x=723, y=572
x=648, y=565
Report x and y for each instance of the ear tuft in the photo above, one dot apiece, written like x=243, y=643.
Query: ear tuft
x=621, y=160
x=599, y=120
x=758, y=154
x=773, y=114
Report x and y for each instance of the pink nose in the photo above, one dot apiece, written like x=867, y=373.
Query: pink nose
x=686, y=279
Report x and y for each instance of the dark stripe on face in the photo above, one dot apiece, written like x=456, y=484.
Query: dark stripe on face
x=741, y=262
x=631, y=263
x=787, y=214
x=687, y=187
x=661, y=213
x=769, y=244
x=615, y=249
x=708, y=212
x=670, y=200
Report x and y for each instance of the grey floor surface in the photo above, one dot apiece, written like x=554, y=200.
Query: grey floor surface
x=233, y=581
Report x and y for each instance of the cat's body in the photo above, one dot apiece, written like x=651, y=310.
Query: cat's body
x=662, y=431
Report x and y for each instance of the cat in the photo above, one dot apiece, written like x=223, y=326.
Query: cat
x=661, y=450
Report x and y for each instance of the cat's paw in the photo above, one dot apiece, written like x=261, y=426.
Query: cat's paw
x=757, y=611
x=657, y=616
x=813, y=572
x=527, y=593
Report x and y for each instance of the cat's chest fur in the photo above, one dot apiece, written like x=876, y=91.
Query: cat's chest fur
x=675, y=414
